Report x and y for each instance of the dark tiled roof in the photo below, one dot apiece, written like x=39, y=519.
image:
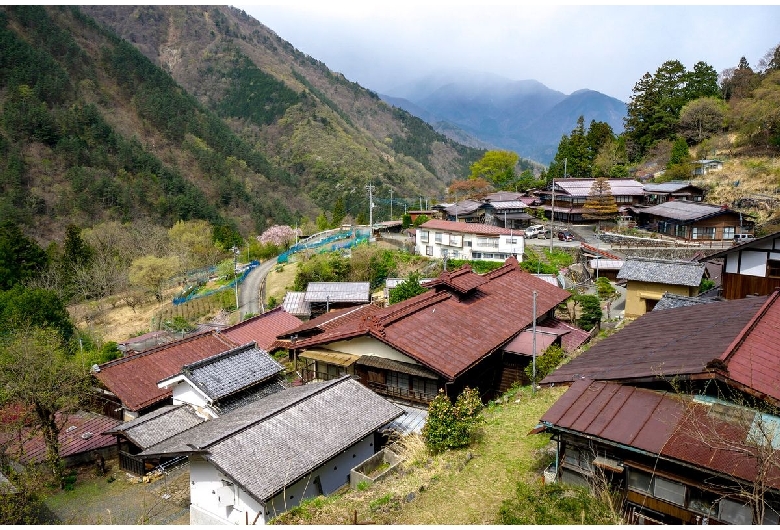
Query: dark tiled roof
x=150, y=429
x=479, y=229
x=270, y=444
x=134, y=378
x=449, y=331
x=335, y=292
x=673, y=426
x=262, y=329
x=671, y=301
x=681, y=341
x=251, y=395
x=464, y=207
x=231, y=371
x=668, y=272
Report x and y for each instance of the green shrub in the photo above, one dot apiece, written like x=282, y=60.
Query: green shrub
x=546, y=363
x=590, y=311
x=450, y=426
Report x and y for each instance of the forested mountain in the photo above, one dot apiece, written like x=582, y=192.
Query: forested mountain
x=183, y=112
x=522, y=116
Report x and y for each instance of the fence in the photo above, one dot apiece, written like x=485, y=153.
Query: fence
x=327, y=243
x=200, y=294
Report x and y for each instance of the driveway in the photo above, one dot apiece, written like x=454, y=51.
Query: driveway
x=249, y=290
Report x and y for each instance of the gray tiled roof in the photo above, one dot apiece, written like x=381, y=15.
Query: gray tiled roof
x=270, y=444
x=150, y=429
x=338, y=292
x=662, y=271
x=671, y=301
x=241, y=399
x=231, y=371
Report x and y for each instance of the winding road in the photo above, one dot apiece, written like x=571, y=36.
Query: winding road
x=249, y=290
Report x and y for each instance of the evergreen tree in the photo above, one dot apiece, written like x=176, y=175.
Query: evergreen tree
x=339, y=212
x=600, y=204
x=21, y=258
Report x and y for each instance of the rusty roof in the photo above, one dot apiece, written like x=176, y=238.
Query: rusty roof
x=479, y=229
x=681, y=341
x=449, y=331
x=81, y=433
x=134, y=378
x=262, y=329
x=697, y=431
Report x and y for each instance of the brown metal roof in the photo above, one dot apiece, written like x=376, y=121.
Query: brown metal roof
x=523, y=344
x=134, y=379
x=681, y=341
x=673, y=426
x=449, y=331
x=262, y=329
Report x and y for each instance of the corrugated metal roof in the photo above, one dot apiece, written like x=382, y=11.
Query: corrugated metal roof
x=134, y=379
x=479, y=229
x=231, y=371
x=295, y=304
x=82, y=432
x=329, y=356
x=685, y=210
x=262, y=329
x=606, y=264
x=451, y=330
x=270, y=444
x=667, y=187
x=335, y=292
x=523, y=344
x=670, y=425
x=653, y=270
x=150, y=429
x=582, y=187
x=673, y=342
x=464, y=207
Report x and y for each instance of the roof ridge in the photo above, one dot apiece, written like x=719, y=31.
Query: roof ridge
x=218, y=356
x=416, y=304
x=326, y=385
x=160, y=347
x=732, y=348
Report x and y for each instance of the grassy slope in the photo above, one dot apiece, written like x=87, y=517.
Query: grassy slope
x=465, y=486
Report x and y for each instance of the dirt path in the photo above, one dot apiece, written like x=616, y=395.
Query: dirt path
x=122, y=500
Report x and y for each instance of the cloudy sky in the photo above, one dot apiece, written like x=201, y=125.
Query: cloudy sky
x=606, y=48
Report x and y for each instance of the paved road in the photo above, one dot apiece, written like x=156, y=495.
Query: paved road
x=249, y=290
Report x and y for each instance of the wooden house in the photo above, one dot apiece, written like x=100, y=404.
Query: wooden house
x=570, y=195
x=750, y=269
x=677, y=412
x=693, y=221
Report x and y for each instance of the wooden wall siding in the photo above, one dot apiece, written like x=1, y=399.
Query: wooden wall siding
x=660, y=506
x=719, y=222
x=740, y=286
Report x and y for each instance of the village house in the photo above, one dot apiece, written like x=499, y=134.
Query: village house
x=750, y=269
x=266, y=457
x=130, y=383
x=702, y=167
x=677, y=412
x=693, y=221
x=323, y=297
x=571, y=194
x=676, y=190
x=647, y=279
x=468, y=241
x=448, y=338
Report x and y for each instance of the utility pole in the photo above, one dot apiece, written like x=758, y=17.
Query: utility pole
x=235, y=272
x=370, y=188
x=552, y=208
x=533, y=350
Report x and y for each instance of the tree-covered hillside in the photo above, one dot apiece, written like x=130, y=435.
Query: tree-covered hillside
x=92, y=130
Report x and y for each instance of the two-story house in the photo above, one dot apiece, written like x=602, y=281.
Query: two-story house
x=570, y=195
x=469, y=241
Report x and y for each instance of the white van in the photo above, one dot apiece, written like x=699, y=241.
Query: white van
x=743, y=238
x=533, y=231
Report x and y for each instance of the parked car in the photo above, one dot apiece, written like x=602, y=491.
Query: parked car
x=565, y=235
x=546, y=234
x=533, y=231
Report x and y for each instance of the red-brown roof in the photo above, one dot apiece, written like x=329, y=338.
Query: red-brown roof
x=262, y=329
x=676, y=342
x=673, y=426
x=81, y=433
x=450, y=331
x=134, y=378
x=469, y=228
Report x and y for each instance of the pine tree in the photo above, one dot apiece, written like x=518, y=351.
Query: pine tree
x=600, y=204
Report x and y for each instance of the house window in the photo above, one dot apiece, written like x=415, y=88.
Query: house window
x=468, y=244
x=639, y=481
x=728, y=232
x=437, y=237
x=703, y=232
x=773, y=268
x=423, y=236
x=398, y=380
x=490, y=242
x=735, y=512
x=429, y=250
x=511, y=241
x=669, y=491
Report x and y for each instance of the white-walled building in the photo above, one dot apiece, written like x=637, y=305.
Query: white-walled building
x=260, y=460
x=469, y=241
